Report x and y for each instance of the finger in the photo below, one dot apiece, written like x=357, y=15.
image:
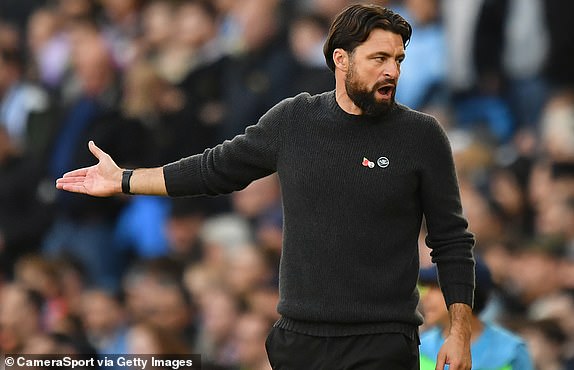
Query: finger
x=62, y=183
x=81, y=172
x=71, y=180
x=440, y=363
x=96, y=151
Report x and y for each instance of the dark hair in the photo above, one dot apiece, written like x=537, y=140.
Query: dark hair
x=354, y=25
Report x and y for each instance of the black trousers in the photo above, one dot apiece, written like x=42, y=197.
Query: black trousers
x=288, y=350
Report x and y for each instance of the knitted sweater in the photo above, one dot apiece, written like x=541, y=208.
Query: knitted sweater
x=354, y=192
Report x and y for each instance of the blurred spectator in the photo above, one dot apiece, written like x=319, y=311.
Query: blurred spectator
x=259, y=75
x=484, y=215
x=183, y=230
x=40, y=275
x=199, y=279
x=561, y=36
x=326, y=8
x=83, y=227
x=476, y=95
x=534, y=273
x=559, y=307
x=259, y=198
x=492, y=346
x=262, y=300
x=156, y=28
x=545, y=341
x=18, y=99
x=250, y=333
x=172, y=310
x=20, y=317
x=139, y=282
x=120, y=28
x=423, y=72
x=247, y=269
x=24, y=214
x=48, y=46
x=508, y=191
x=526, y=45
x=307, y=33
x=179, y=37
x=219, y=312
x=148, y=106
x=190, y=57
x=104, y=322
x=145, y=338
x=557, y=128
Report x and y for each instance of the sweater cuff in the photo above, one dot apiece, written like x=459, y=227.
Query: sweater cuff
x=458, y=293
x=183, y=177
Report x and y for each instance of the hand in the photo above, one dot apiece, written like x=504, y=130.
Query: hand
x=455, y=350
x=101, y=180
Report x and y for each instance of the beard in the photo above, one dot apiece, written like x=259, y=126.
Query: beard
x=365, y=99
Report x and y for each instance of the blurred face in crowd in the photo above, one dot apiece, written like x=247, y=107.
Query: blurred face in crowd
x=258, y=22
x=246, y=269
x=118, y=9
x=423, y=11
x=19, y=318
x=41, y=27
x=93, y=65
x=219, y=314
x=101, y=314
x=194, y=25
x=433, y=305
x=169, y=310
x=251, y=332
x=157, y=22
x=372, y=71
x=183, y=233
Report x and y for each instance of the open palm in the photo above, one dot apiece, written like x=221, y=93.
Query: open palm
x=100, y=180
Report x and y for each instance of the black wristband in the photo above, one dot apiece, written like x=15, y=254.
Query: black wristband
x=126, y=176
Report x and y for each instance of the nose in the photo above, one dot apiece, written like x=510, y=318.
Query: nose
x=392, y=70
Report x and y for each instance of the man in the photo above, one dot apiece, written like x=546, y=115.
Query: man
x=492, y=346
x=357, y=173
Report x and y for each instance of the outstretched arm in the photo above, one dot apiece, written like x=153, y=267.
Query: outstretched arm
x=455, y=350
x=105, y=178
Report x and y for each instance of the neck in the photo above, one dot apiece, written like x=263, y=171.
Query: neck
x=343, y=98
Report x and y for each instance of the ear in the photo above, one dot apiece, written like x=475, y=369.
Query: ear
x=341, y=59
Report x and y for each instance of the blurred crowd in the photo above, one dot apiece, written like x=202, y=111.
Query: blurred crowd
x=151, y=81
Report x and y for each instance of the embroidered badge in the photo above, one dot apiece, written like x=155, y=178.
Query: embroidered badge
x=383, y=162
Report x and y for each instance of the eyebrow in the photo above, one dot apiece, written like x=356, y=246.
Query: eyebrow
x=385, y=54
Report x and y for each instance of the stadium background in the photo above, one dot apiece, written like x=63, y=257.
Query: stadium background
x=154, y=80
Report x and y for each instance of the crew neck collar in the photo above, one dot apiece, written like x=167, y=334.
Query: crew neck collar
x=339, y=113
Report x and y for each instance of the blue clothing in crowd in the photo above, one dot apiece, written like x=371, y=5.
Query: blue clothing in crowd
x=495, y=349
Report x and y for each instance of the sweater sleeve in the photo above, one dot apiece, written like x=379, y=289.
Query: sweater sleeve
x=448, y=237
x=232, y=165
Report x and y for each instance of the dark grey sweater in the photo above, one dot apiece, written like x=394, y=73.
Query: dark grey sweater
x=354, y=193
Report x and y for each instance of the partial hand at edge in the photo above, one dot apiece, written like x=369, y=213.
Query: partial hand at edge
x=100, y=180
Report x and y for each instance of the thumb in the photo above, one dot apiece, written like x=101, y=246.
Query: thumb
x=97, y=152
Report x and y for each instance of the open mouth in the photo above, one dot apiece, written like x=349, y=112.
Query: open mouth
x=386, y=91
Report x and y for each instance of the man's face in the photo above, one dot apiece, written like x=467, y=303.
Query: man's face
x=374, y=69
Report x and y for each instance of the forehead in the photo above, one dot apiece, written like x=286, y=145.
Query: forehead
x=380, y=40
